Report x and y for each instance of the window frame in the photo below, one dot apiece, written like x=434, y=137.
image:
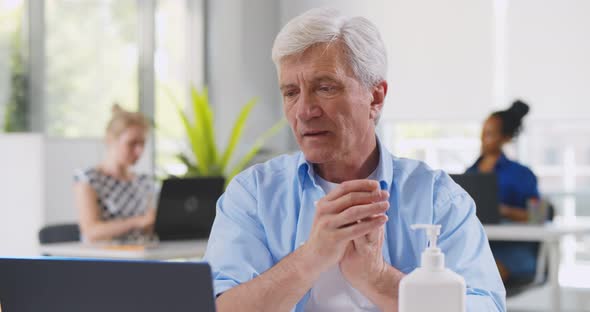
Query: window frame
x=36, y=62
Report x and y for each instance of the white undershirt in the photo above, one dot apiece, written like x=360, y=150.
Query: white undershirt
x=332, y=292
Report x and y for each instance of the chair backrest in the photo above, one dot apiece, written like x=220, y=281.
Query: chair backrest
x=58, y=233
x=550, y=210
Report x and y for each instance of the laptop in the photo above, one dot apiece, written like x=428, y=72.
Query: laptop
x=186, y=208
x=483, y=188
x=68, y=285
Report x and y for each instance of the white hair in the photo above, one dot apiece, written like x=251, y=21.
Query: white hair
x=363, y=45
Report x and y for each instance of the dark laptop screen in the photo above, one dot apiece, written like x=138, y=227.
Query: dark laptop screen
x=65, y=285
x=483, y=188
x=186, y=207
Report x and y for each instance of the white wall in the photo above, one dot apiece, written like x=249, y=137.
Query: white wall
x=548, y=57
x=368, y=8
x=62, y=157
x=241, y=33
x=21, y=193
x=440, y=53
x=461, y=59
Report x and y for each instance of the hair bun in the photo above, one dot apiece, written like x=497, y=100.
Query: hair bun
x=518, y=109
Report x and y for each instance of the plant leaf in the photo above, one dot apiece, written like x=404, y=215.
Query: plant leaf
x=236, y=132
x=210, y=136
x=255, y=149
x=193, y=135
x=192, y=170
x=201, y=136
x=204, y=121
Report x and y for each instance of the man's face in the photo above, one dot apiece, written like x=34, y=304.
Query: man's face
x=331, y=113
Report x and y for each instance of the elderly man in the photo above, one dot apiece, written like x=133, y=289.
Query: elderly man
x=328, y=228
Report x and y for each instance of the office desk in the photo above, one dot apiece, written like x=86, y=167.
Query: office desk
x=162, y=251
x=550, y=235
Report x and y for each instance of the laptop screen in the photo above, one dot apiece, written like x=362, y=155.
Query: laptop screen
x=186, y=207
x=64, y=285
x=483, y=188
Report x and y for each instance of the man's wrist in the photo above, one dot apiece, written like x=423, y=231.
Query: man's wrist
x=305, y=263
x=385, y=289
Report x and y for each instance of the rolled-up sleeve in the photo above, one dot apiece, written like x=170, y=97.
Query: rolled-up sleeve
x=237, y=250
x=466, y=248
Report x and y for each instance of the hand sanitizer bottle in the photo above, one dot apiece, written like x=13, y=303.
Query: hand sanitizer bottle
x=432, y=287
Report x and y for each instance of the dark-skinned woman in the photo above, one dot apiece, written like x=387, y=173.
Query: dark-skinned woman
x=516, y=185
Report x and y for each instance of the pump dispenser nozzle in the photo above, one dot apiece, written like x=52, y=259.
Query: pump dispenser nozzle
x=432, y=257
x=443, y=289
x=432, y=231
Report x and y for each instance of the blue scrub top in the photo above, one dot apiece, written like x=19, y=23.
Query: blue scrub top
x=516, y=184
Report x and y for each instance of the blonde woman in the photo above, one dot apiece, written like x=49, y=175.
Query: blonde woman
x=113, y=201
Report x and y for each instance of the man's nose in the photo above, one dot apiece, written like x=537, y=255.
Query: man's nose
x=307, y=107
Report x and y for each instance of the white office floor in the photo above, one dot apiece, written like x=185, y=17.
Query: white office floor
x=575, y=280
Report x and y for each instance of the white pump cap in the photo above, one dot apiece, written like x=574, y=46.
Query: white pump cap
x=432, y=257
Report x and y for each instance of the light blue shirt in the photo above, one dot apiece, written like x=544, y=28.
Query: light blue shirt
x=267, y=212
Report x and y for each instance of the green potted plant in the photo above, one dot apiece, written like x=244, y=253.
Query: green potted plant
x=206, y=159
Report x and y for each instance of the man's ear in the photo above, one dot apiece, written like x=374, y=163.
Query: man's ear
x=378, y=93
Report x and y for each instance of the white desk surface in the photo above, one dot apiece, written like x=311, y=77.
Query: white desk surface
x=549, y=234
x=530, y=232
x=186, y=249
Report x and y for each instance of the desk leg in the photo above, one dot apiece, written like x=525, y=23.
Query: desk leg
x=554, y=264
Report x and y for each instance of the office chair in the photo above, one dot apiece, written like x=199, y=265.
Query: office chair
x=58, y=233
x=516, y=286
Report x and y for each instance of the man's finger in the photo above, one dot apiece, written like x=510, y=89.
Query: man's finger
x=354, y=199
x=360, y=213
x=373, y=237
x=363, y=185
x=357, y=230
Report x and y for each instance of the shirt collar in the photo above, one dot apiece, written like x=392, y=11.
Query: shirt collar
x=384, y=171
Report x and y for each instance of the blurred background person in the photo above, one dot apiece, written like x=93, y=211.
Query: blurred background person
x=517, y=184
x=113, y=201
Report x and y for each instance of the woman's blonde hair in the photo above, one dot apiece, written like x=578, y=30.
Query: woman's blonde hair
x=122, y=119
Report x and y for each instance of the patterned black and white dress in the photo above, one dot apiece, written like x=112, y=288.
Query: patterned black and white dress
x=119, y=199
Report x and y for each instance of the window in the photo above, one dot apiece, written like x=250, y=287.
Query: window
x=13, y=74
x=91, y=63
x=92, y=55
x=551, y=156
x=556, y=151
x=452, y=147
x=178, y=66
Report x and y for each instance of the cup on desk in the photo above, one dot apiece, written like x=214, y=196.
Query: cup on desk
x=538, y=210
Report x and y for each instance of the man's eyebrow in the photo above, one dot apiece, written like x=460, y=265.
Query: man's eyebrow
x=287, y=86
x=325, y=79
